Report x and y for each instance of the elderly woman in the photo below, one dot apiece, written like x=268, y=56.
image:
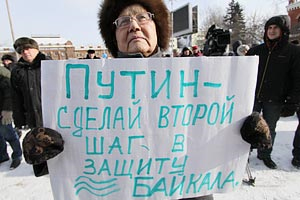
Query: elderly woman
x=136, y=28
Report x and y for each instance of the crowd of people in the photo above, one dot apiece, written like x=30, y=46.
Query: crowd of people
x=141, y=29
x=238, y=49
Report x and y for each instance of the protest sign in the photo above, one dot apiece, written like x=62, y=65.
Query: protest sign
x=151, y=128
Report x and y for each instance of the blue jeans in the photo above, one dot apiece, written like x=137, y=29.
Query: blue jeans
x=296, y=142
x=8, y=134
x=271, y=113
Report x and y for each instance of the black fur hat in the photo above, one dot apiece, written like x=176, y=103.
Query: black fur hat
x=23, y=43
x=255, y=131
x=8, y=57
x=91, y=51
x=42, y=144
x=111, y=9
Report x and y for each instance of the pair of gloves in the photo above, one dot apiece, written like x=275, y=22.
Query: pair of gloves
x=6, y=117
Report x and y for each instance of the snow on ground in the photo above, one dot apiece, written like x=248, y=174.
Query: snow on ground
x=280, y=184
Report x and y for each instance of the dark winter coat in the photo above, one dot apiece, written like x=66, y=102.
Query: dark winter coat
x=278, y=72
x=5, y=90
x=26, y=84
x=278, y=76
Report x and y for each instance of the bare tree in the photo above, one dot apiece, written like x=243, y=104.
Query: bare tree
x=255, y=29
x=213, y=16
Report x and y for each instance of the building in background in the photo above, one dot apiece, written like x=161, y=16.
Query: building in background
x=58, y=48
x=294, y=13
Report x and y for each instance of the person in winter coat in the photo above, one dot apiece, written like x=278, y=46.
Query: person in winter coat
x=7, y=133
x=26, y=84
x=141, y=28
x=278, y=78
x=286, y=112
x=91, y=54
x=196, y=51
x=186, y=52
x=8, y=61
x=136, y=28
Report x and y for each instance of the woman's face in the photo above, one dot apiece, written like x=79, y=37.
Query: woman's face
x=139, y=36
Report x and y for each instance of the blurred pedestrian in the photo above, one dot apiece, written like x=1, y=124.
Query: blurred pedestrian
x=286, y=112
x=7, y=133
x=196, y=51
x=176, y=52
x=235, y=46
x=278, y=79
x=91, y=54
x=8, y=61
x=186, y=52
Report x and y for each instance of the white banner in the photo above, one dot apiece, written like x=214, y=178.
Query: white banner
x=158, y=128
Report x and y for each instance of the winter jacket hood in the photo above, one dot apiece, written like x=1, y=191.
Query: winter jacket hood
x=282, y=21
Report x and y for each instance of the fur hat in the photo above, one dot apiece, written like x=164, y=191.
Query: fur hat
x=8, y=57
x=111, y=9
x=23, y=43
x=42, y=144
x=255, y=131
x=90, y=51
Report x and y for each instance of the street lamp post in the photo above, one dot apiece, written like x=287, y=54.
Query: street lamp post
x=10, y=24
x=172, y=23
x=10, y=21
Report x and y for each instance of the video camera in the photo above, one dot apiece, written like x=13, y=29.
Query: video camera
x=216, y=42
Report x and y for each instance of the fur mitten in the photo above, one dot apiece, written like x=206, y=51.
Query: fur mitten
x=256, y=131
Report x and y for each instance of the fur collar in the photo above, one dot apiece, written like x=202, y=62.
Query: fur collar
x=4, y=72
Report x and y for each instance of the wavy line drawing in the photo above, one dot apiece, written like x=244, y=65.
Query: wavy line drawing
x=100, y=188
x=99, y=195
x=94, y=188
x=100, y=182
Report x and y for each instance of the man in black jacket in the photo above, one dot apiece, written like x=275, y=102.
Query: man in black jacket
x=26, y=84
x=278, y=79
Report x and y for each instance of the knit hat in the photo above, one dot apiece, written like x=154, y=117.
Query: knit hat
x=23, y=43
x=195, y=47
x=8, y=57
x=111, y=9
x=41, y=144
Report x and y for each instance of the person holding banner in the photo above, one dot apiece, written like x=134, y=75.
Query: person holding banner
x=278, y=79
x=136, y=29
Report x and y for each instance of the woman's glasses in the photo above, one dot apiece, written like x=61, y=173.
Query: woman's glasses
x=142, y=18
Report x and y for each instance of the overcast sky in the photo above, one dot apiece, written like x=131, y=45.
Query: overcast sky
x=76, y=20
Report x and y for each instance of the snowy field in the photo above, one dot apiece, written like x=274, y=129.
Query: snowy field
x=280, y=184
